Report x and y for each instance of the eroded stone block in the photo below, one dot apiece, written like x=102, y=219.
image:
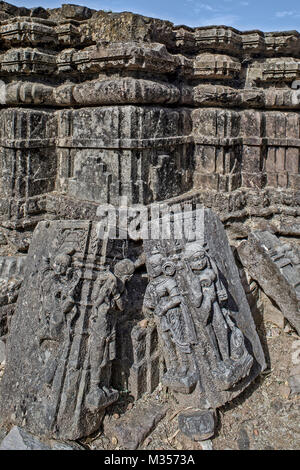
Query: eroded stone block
x=195, y=295
x=19, y=439
x=57, y=380
x=276, y=268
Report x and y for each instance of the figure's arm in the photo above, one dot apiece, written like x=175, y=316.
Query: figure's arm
x=221, y=291
x=149, y=303
x=104, y=293
x=120, y=303
x=68, y=304
x=120, y=295
x=195, y=290
x=164, y=306
x=209, y=298
x=171, y=301
x=99, y=300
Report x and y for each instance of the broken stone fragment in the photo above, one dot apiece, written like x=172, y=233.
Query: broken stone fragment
x=63, y=337
x=98, y=108
x=276, y=268
x=198, y=425
x=131, y=430
x=201, y=312
x=56, y=445
x=19, y=439
x=39, y=12
x=294, y=380
x=76, y=12
x=294, y=383
x=271, y=313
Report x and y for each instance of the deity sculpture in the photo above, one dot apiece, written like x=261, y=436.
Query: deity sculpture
x=58, y=284
x=109, y=295
x=163, y=298
x=209, y=298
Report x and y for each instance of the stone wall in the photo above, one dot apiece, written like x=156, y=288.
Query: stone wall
x=100, y=105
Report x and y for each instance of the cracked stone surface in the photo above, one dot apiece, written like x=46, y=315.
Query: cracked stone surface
x=109, y=341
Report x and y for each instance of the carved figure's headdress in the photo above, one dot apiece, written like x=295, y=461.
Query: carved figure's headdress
x=194, y=247
x=63, y=258
x=125, y=267
x=155, y=251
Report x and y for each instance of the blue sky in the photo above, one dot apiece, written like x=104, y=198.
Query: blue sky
x=267, y=15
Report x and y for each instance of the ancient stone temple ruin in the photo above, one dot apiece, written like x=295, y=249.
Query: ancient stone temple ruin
x=105, y=111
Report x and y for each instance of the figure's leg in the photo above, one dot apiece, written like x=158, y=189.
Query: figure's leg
x=170, y=352
x=213, y=341
x=177, y=332
x=221, y=330
x=106, y=370
x=185, y=363
x=97, y=351
x=100, y=394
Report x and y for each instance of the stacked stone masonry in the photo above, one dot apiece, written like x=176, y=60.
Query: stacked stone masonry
x=99, y=105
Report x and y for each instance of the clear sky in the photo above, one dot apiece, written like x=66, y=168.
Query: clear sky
x=267, y=15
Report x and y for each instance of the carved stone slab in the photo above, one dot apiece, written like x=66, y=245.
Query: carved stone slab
x=206, y=330
x=276, y=267
x=11, y=277
x=62, y=341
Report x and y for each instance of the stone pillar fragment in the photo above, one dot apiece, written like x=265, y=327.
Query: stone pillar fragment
x=57, y=380
x=276, y=268
x=206, y=329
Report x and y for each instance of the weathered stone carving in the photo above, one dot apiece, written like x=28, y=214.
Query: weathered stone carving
x=11, y=277
x=99, y=107
x=68, y=331
x=276, y=267
x=197, y=299
x=147, y=368
x=108, y=294
x=122, y=65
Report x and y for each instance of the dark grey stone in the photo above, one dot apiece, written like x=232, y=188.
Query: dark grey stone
x=198, y=425
x=196, y=298
x=276, y=268
x=133, y=428
x=97, y=107
x=243, y=440
x=39, y=12
x=76, y=12
x=2, y=351
x=57, y=379
x=19, y=439
x=65, y=446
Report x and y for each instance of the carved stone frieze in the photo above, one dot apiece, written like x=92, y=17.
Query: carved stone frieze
x=205, y=326
x=68, y=340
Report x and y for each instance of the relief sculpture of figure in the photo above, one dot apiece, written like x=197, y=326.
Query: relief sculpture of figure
x=109, y=295
x=58, y=286
x=209, y=298
x=163, y=298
